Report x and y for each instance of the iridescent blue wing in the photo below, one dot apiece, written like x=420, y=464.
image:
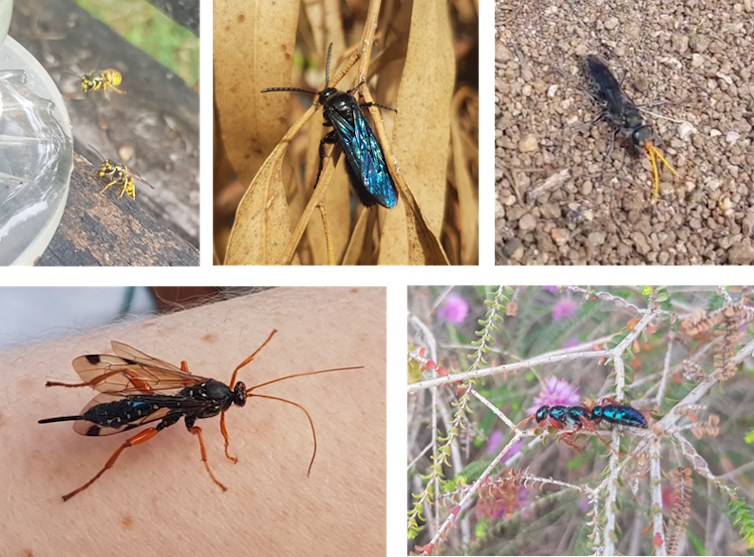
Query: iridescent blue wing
x=366, y=163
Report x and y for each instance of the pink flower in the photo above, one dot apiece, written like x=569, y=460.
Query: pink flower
x=564, y=308
x=571, y=342
x=454, y=311
x=550, y=288
x=495, y=439
x=555, y=392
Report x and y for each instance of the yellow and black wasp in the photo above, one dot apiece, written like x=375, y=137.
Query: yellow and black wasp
x=118, y=172
x=96, y=80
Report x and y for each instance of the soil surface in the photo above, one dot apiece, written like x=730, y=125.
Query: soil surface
x=559, y=199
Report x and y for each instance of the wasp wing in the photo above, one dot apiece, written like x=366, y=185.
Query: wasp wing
x=130, y=353
x=131, y=372
x=365, y=158
x=607, y=86
x=92, y=428
x=142, y=180
x=121, y=413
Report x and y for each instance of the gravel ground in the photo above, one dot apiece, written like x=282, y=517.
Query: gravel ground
x=559, y=201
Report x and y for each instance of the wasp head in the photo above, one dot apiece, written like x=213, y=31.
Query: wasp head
x=239, y=394
x=642, y=134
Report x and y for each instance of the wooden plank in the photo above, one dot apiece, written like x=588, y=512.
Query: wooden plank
x=183, y=12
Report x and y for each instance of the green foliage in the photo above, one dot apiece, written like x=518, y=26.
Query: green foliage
x=741, y=515
x=146, y=27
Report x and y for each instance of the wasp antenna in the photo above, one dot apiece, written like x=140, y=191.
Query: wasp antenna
x=650, y=154
x=93, y=148
x=659, y=156
x=248, y=391
x=311, y=422
x=296, y=89
x=327, y=68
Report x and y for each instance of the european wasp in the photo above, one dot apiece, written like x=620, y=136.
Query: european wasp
x=101, y=80
x=119, y=173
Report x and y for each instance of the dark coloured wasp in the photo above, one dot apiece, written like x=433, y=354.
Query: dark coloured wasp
x=580, y=416
x=365, y=162
x=618, y=414
x=560, y=417
x=137, y=389
x=623, y=114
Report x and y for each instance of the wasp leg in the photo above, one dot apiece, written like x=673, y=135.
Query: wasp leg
x=141, y=437
x=224, y=431
x=331, y=138
x=610, y=148
x=570, y=434
x=605, y=443
x=97, y=87
x=587, y=125
x=114, y=88
x=108, y=185
x=196, y=430
x=125, y=187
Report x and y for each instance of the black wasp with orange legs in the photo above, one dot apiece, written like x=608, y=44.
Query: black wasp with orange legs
x=136, y=390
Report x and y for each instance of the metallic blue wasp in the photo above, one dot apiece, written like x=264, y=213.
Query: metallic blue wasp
x=580, y=416
x=619, y=414
x=365, y=162
x=560, y=417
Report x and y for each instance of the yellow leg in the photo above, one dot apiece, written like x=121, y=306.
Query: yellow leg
x=108, y=185
x=114, y=88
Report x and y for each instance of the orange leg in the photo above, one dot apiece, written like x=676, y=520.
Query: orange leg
x=566, y=439
x=141, y=437
x=224, y=431
x=590, y=427
x=196, y=430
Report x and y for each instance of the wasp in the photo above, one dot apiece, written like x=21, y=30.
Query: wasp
x=581, y=416
x=96, y=80
x=560, y=417
x=620, y=111
x=119, y=173
x=365, y=161
x=618, y=414
x=137, y=389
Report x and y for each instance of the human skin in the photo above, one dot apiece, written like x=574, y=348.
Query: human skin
x=158, y=497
